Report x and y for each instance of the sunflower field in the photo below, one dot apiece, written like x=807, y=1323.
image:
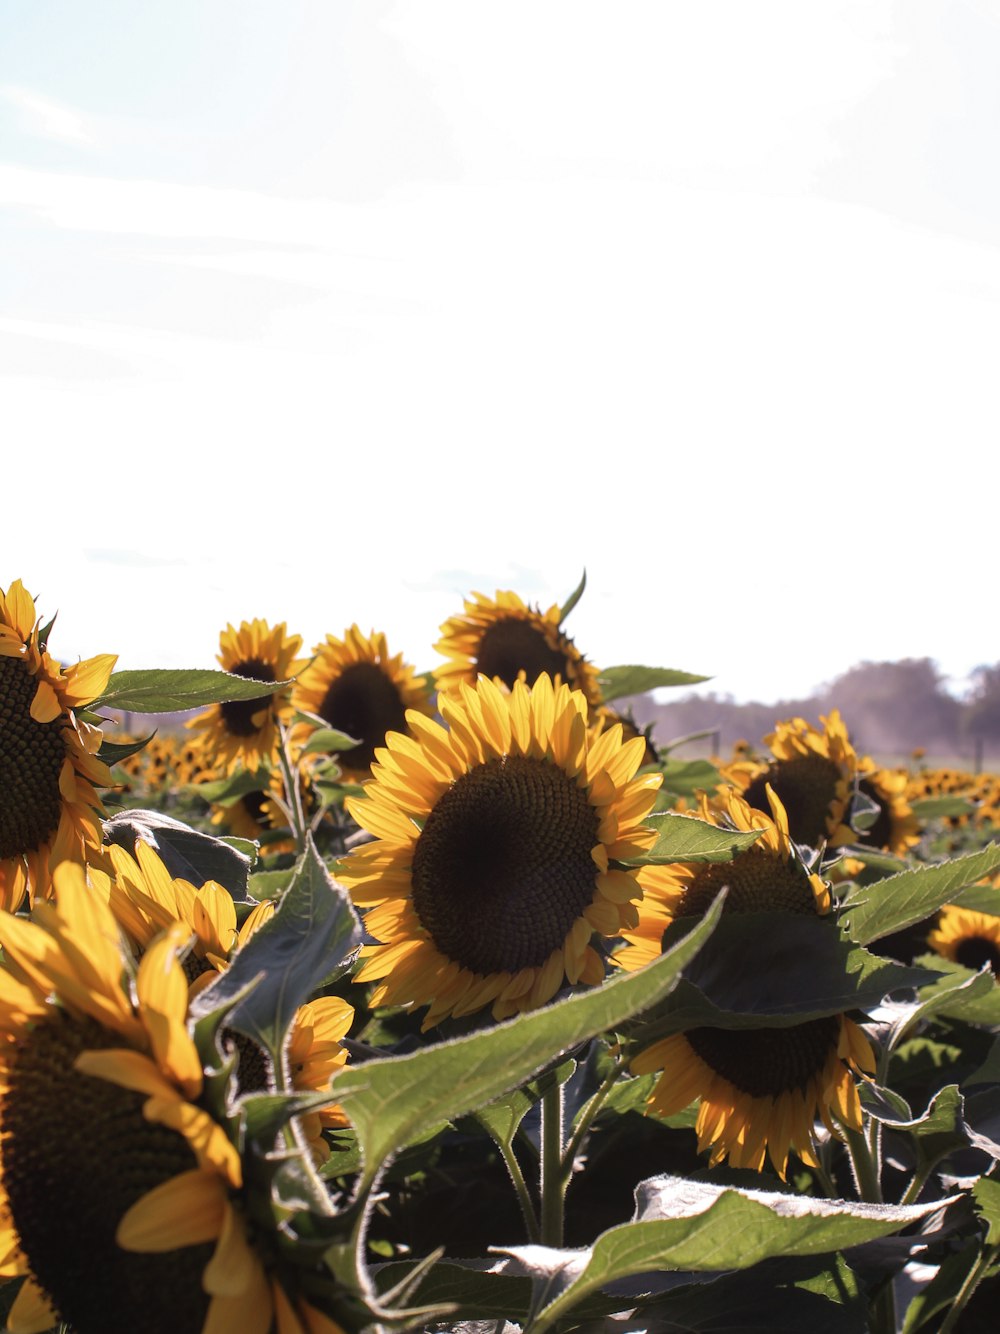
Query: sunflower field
x=371, y=1000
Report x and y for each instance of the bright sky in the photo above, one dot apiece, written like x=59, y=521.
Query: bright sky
x=334, y=312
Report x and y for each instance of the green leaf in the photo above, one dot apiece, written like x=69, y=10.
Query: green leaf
x=939, y=808
x=314, y=928
x=874, y=911
x=989, y=1071
x=187, y=853
x=573, y=598
x=763, y=970
x=980, y=898
x=941, y=1291
x=683, y=838
x=682, y=1224
x=987, y=1196
x=502, y=1117
x=269, y=884
x=113, y=752
x=617, y=682
x=937, y=1133
x=977, y=1002
x=685, y=778
x=226, y=791
x=390, y=1101
x=328, y=741
x=167, y=690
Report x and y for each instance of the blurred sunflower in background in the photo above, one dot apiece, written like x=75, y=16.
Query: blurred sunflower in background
x=895, y=828
x=244, y=732
x=357, y=687
x=496, y=852
x=967, y=937
x=507, y=640
x=50, y=810
x=813, y=773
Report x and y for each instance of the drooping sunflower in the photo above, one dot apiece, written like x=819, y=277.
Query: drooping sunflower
x=507, y=640
x=357, y=687
x=153, y=1235
x=761, y=1090
x=498, y=850
x=967, y=937
x=813, y=773
x=245, y=731
x=50, y=810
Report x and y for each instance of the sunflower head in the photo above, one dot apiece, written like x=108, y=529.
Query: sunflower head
x=244, y=732
x=49, y=771
x=357, y=687
x=813, y=773
x=966, y=937
x=507, y=640
x=895, y=828
x=498, y=852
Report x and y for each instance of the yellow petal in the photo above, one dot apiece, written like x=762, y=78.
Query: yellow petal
x=184, y=1211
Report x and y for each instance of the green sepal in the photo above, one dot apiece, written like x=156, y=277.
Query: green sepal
x=169, y=690
x=628, y=679
x=114, y=752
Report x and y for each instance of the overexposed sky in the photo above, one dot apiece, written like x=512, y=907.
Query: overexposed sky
x=334, y=312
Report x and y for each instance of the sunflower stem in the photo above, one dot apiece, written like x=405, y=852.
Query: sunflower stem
x=293, y=791
x=520, y=1187
x=865, y=1174
x=553, y=1182
x=586, y=1119
x=972, y=1281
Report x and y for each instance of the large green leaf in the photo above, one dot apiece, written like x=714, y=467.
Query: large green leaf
x=938, y=808
x=683, y=838
x=682, y=1224
x=187, y=853
x=313, y=930
x=975, y=1002
x=874, y=911
x=391, y=1101
x=685, y=778
x=763, y=970
x=617, y=682
x=167, y=690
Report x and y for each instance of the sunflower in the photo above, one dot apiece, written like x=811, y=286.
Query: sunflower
x=505, y=639
x=49, y=770
x=761, y=1090
x=895, y=829
x=966, y=937
x=97, y=1070
x=358, y=688
x=245, y=731
x=146, y=900
x=813, y=773
x=498, y=850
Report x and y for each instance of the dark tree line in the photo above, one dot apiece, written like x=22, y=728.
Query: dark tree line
x=890, y=709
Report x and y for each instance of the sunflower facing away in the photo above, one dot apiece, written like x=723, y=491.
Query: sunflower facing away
x=497, y=851
x=121, y=1197
x=505, y=639
x=761, y=1090
x=49, y=771
x=813, y=773
x=358, y=688
x=245, y=731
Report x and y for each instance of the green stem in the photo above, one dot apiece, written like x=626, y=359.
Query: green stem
x=586, y=1119
x=865, y=1174
x=552, y=1183
x=293, y=792
x=520, y=1188
x=976, y=1273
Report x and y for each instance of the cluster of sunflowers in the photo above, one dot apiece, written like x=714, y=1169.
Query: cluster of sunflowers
x=440, y=964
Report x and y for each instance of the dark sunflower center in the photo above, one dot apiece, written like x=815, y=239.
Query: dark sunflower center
x=758, y=881
x=974, y=951
x=879, y=833
x=76, y=1154
x=365, y=703
x=238, y=714
x=502, y=868
x=512, y=645
x=806, y=786
x=253, y=1071
x=31, y=758
x=767, y=1062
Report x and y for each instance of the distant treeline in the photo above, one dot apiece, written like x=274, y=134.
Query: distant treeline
x=889, y=708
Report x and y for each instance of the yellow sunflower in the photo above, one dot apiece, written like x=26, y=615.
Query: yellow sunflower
x=99, y=1071
x=895, y=828
x=966, y=937
x=813, y=772
x=761, y=1090
x=49, y=771
x=507, y=640
x=498, y=850
x=358, y=688
x=245, y=731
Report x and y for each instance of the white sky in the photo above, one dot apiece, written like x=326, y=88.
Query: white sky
x=334, y=312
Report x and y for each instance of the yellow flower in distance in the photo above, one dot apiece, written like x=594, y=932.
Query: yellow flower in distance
x=497, y=851
x=49, y=771
x=245, y=731
x=967, y=937
x=357, y=687
x=507, y=640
